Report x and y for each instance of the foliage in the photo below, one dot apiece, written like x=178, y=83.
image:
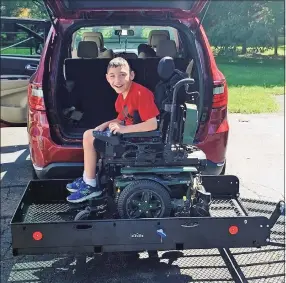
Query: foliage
x=145, y=32
x=244, y=23
x=255, y=24
x=23, y=9
x=107, y=32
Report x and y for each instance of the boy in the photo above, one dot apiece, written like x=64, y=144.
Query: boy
x=131, y=97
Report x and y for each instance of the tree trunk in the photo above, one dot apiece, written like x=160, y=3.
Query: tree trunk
x=275, y=44
x=243, y=51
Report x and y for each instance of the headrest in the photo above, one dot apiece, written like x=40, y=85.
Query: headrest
x=145, y=50
x=142, y=55
x=94, y=36
x=166, y=48
x=128, y=55
x=87, y=49
x=166, y=68
x=106, y=54
x=155, y=36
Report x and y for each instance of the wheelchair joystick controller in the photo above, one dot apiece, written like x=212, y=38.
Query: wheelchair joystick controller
x=106, y=133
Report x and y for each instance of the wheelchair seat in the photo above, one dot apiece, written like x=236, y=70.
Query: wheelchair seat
x=142, y=134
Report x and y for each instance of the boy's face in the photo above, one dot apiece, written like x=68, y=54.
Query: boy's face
x=120, y=78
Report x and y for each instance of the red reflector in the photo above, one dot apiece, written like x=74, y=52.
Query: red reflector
x=37, y=236
x=223, y=127
x=233, y=230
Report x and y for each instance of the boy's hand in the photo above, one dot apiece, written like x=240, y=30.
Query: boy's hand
x=101, y=127
x=116, y=128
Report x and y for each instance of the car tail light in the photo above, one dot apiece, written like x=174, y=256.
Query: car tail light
x=36, y=97
x=220, y=95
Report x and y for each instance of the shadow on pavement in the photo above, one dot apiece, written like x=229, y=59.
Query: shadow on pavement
x=18, y=169
x=115, y=268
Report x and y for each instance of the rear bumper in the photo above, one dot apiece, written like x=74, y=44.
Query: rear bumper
x=59, y=170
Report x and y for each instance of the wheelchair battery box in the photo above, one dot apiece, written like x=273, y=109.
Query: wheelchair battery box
x=44, y=223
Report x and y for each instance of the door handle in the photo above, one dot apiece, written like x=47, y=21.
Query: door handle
x=31, y=67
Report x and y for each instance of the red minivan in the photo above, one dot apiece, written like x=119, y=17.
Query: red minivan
x=68, y=93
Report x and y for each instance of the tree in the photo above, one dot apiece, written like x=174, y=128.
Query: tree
x=244, y=23
x=23, y=8
x=277, y=21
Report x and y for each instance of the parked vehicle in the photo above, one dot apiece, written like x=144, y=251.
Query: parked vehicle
x=21, y=43
x=69, y=94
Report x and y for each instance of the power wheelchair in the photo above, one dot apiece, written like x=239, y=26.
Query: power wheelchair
x=158, y=173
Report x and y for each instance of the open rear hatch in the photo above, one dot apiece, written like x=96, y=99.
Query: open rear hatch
x=78, y=9
x=63, y=11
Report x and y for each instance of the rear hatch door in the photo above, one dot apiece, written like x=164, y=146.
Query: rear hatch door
x=78, y=9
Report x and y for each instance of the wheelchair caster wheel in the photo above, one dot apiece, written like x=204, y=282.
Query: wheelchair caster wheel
x=82, y=215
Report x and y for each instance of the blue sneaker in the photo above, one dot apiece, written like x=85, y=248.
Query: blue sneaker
x=75, y=185
x=84, y=193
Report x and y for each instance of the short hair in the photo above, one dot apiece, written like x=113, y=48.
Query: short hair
x=118, y=62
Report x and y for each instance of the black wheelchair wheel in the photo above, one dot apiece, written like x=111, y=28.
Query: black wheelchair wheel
x=144, y=199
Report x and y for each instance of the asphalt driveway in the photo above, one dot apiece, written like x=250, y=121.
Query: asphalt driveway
x=255, y=154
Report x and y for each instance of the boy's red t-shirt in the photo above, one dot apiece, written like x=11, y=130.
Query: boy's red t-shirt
x=140, y=99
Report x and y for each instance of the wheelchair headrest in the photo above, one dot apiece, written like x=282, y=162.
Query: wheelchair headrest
x=166, y=68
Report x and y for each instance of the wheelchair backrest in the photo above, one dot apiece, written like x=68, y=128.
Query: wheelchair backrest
x=186, y=116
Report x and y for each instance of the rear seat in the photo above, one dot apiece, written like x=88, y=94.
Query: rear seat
x=155, y=36
x=96, y=37
x=94, y=70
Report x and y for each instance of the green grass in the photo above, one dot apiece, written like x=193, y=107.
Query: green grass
x=266, y=52
x=270, y=52
x=252, y=83
x=16, y=51
x=251, y=100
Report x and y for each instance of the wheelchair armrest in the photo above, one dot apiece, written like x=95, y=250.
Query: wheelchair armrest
x=107, y=136
x=142, y=134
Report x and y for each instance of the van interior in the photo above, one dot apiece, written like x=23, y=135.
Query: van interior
x=84, y=98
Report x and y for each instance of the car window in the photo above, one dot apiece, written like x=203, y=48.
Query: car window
x=112, y=41
x=16, y=40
